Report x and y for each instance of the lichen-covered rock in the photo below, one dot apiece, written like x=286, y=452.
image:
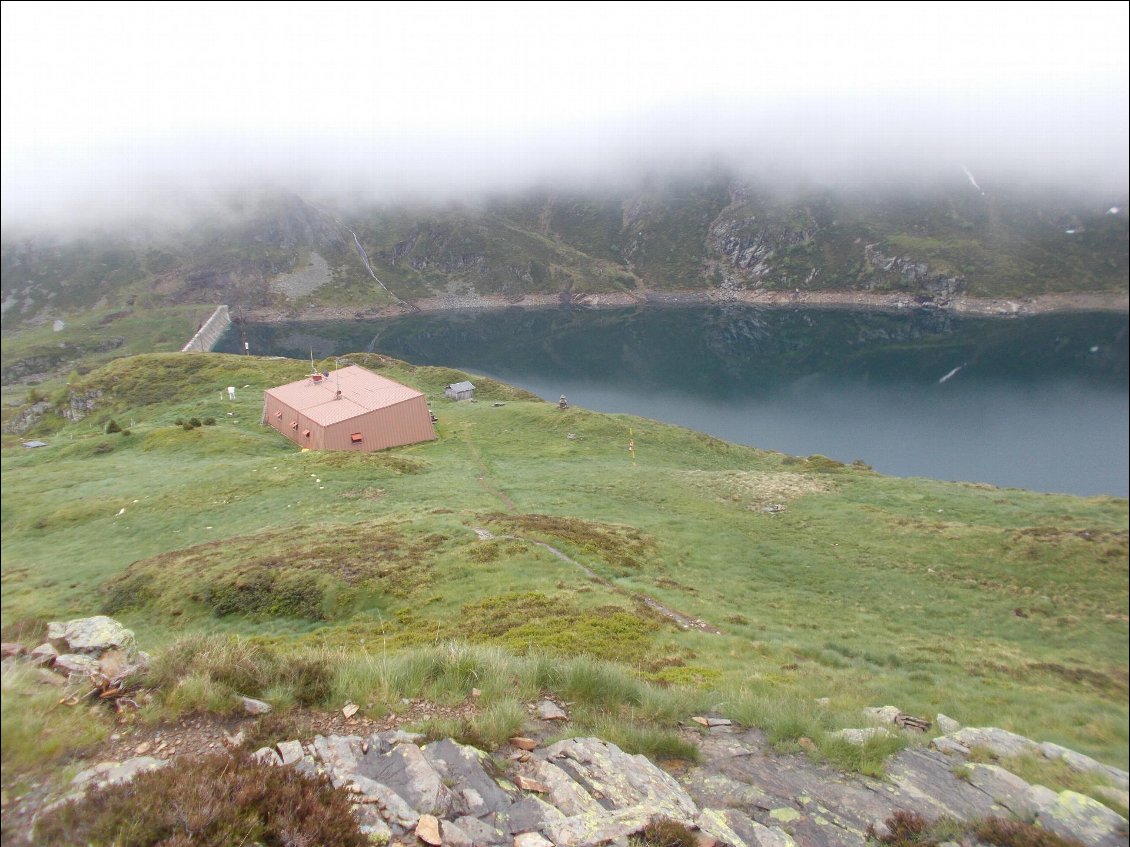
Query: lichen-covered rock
x=716, y=824
x=999, y=742
x=591, y=830
x=882, y=714
x=92, y=636
x=946, y=724
x=1087, y=820
x=618, y=780
x=563, y=793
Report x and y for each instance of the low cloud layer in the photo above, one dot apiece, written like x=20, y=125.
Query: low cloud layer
x=116, y=110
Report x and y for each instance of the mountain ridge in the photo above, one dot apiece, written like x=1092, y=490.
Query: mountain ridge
x=713, y=233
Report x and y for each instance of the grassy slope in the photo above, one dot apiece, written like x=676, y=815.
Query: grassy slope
x=996, y=606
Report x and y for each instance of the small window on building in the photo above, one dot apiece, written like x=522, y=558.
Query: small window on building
x=355, y=438
x=278, y=415
x=294, y=426
x=306, y=433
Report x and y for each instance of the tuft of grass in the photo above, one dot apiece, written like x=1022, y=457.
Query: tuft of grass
x=215, y=801
x=205, y=673
x=631, y=733
x=487, y=729
x=869, y=758
x=37, y=732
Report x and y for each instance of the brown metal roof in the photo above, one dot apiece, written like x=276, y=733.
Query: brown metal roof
x=361, y=391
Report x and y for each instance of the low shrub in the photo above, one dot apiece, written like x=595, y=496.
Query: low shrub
x=664, y=833
x=214, y=801
x=910, y=829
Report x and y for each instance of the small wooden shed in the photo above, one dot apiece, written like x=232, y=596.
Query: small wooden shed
x=348, y=409
x=460, y=391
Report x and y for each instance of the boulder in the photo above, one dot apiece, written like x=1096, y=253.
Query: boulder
x=92, y=636
x=527, y=783
x=427, y=830
x=251, y=706
x=999, y=742
x=946, y=724
x=550, y=711
x=267, y=756
x=75, y=663
x=290, y=752
x=531, y=839
x=454, y=835
x=341, y=754
x=882, y=714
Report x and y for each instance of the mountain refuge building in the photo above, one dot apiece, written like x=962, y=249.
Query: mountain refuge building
x=460, y=391
x=348, y=409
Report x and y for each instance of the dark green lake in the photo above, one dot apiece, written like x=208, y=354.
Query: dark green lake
x=1037, y=402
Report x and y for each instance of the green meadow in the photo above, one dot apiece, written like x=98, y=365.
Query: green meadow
x=527, y=550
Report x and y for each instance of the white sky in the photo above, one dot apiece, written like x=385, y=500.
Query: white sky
x=97, y=95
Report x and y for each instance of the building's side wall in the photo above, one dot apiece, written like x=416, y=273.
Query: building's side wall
x=285, y=425
x=405, y=423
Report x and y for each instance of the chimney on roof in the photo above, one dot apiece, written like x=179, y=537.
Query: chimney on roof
x=337, y=394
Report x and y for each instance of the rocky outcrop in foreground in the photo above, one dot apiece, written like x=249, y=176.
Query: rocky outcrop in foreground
x=583, y=792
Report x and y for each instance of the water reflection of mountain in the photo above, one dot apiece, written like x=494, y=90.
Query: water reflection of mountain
x=726, y=349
